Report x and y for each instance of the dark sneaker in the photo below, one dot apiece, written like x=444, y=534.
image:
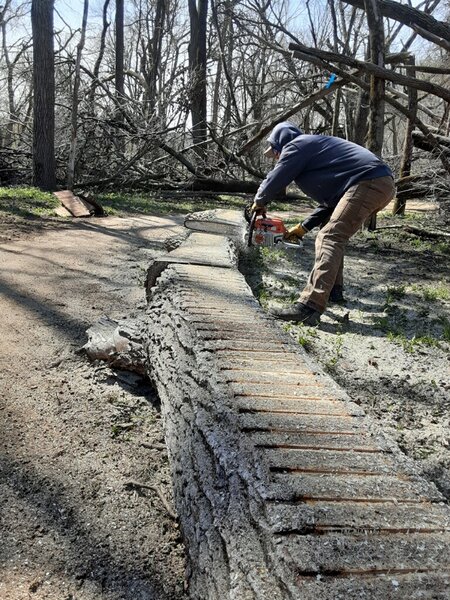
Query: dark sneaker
x=297, y=312
x=337, y=294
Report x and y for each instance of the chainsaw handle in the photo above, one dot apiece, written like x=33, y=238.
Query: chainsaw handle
x=251, y=228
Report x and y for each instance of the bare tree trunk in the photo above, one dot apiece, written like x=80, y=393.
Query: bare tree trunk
x=394, y=136
x=224, y=64
x=44, y=95
x=375, y=133
x=405, y=168
x=101, y=53
x=216, y=95
x=119, y=75
x=160, y=15
x=76, y=87
x=198, y=11
x=362, y=115
x=337, y=99
x=11, y=128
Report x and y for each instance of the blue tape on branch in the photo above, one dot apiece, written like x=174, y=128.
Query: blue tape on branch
x=330, y=81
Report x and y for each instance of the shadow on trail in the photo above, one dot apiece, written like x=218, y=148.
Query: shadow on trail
x=137, y=235
x=47, y=311
x=86, y=553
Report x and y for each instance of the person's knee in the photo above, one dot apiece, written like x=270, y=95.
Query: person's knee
x=335, y=235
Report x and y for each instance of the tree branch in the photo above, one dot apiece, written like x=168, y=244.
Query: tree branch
x=300, y=51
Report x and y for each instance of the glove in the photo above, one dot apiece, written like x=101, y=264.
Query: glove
x=259, y=210
x=294, y=234
x=250, y=209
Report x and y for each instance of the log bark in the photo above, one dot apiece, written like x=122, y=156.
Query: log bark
x=119, y=343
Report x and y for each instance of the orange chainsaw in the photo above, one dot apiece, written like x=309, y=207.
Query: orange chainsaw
x=266, y=231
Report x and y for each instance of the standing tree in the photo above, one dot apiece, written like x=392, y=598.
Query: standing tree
x=198, y=10
x=44, y=95
x=76, y=89
x=375, y=133
x=405, y=167
x=119, y=75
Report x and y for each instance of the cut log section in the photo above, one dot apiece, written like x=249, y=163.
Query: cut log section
x=284, y=488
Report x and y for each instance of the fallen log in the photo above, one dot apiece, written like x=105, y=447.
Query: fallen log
x=425, y=233
x=420, y=141
x=418, y=186
x=283, y=488
x=224, y=186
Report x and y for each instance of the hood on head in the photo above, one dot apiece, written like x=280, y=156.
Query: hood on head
x=282, y=134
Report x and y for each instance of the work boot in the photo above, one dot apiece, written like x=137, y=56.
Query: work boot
x=297, y=312
x=337, y=294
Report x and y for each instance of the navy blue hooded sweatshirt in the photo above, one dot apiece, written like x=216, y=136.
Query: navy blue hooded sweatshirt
x=323, y=167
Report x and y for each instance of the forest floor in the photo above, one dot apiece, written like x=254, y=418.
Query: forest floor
x=388, y=345
x=80, y=442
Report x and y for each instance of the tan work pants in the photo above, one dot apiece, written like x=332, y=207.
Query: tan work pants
x=355, y=206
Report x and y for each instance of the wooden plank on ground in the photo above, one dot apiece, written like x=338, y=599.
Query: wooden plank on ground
x=61, y=211
x=75, y=205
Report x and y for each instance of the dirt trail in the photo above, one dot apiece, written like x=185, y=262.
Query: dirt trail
x=72, y=434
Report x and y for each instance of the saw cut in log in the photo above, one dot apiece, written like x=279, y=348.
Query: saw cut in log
x=223, y=222
x=198, y=249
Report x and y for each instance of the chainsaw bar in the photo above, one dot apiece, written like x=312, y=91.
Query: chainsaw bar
x=220, y=222
x=219, y=227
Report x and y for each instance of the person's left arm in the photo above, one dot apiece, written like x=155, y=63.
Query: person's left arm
x=317, y=218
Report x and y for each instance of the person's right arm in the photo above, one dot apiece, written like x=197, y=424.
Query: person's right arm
x=319, y=216
x=290, y=164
